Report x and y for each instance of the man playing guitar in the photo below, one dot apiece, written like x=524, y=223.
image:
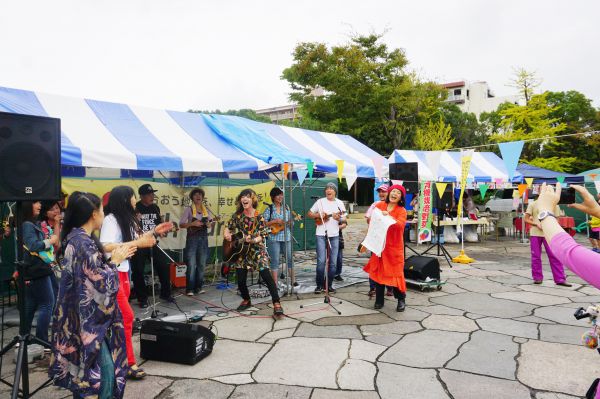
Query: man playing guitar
x=327, y=212
x=249, y=222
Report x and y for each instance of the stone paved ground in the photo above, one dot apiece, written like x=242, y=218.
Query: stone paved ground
x=489, y=333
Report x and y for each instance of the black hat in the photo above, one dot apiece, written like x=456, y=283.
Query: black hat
x=146, y=189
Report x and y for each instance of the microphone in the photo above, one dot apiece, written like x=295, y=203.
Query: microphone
x=266, y=203
x=315, y=197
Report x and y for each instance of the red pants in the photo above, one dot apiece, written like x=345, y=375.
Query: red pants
x=127, y=312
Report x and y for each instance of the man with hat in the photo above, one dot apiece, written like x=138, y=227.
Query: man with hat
x=328, y=213
x=149, y=215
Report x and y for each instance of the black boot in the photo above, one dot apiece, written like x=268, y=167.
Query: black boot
x=379, y=295
x=401, y=302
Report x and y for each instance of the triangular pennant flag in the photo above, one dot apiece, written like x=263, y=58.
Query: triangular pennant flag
x=511, y=152
x=433, y=162
x=350, y=179
x=593, y=175
x=350, y=174
x=597, y=184
x=529, y=181
x=521, y=188
x=498, y=181
x=440, y=187
x=310, y=166
x=560, y=179
x=378, y=167
x=301, y=173
x=398, y=182
x=340, y=168
x=483, y=189
x=286, y=169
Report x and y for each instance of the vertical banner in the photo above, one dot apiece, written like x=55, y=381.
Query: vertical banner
x=425, y=212
x=465, y=163
x=340, y=168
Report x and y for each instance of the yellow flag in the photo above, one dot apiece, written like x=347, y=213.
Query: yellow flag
x=441, y=187
x=340, y=168
x=529, y=181
x=465, y=161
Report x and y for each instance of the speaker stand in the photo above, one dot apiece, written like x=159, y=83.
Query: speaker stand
x=441, y=250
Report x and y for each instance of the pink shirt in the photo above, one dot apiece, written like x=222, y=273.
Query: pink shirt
x=582, y=261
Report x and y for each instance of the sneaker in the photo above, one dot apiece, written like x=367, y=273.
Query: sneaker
x=597, y=250
x=338, y=278
x=189, y=293
x=318, y=290
x=295, y=284
x=537, y=282
x=565, y=284
x=331, y=290
x=244, y=305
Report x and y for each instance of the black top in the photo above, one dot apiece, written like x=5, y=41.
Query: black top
x=149, y=215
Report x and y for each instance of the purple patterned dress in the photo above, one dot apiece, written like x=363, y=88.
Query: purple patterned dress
x=86, y=314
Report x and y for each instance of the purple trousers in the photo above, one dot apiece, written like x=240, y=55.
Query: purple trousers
x=558, y=271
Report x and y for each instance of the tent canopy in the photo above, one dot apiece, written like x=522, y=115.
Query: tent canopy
x=111, y=135
x=541, y=175
x=590, y=175
x=485, y=166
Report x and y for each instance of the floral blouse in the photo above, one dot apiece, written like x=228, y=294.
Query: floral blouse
x=257, y=258
x=86, y=314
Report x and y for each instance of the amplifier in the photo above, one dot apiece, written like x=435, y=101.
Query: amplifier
x=421, y=267
x=175, y=342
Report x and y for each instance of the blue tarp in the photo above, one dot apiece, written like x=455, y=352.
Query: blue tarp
x=541, y=175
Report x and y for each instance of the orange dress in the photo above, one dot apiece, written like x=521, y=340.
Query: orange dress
x=389, y=268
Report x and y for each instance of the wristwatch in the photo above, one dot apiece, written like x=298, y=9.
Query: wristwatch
x=544, y=214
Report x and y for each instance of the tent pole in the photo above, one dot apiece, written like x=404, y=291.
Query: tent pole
x=291, y=254
x=285, y=232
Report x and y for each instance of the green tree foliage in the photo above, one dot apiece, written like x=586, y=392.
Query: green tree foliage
x=367, y=91
x=244, y=113
x=526, y=82
x=557, y=164
x=434, y=136
x=466, y=130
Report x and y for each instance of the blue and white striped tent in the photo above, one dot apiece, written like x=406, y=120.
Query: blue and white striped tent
x=100, y=134
x=485, y=166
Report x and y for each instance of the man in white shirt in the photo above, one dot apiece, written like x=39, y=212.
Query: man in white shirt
x=328, y=212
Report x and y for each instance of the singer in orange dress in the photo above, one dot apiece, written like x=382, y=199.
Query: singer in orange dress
x=389, y=268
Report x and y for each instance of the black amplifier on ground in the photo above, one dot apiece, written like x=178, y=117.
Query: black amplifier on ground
x=175, y=342
x=420, y=267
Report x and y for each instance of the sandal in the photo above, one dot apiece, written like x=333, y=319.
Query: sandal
x=371, y=293
x=136, y=373
x=277, y=310
x=246, y=304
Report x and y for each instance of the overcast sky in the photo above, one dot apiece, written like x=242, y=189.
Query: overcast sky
x=224, y=54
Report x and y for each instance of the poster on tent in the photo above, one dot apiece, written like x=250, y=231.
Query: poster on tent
x=172, y=201
x=425, y=213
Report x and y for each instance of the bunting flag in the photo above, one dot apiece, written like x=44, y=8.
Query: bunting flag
x=433, y=162
x=597, y=184
x=498, y=182
x=529, y=181
x=483, y=189
x=560, y=179
x=286, y=170
x=301, y=173
x=465, y=163
x=310, y=166
x=340, y=168
x=441, y=187
x=378, y=167
x=521, y=188
x=511, y=152
x=399, y=182
x=593, y=175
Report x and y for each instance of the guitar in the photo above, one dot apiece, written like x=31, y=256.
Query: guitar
x=326, y=216
x=206, y=220
x=237, y=247
x=278, y=225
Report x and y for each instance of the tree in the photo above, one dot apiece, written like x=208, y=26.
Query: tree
x=435, y=136
x=526, y=82
x=466, y=130
x=367, y=91
x=244, y=113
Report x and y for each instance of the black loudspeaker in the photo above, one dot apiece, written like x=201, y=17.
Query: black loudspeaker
x=446, y=199
x=407, y=172
x=29, y=158
x=419, y=268
x=175, y=342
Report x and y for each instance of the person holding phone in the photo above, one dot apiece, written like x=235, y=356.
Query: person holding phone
x=536, y=240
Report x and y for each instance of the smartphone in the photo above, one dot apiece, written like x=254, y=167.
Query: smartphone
x=567, y=196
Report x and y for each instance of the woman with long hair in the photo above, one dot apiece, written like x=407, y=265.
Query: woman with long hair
x=251, y=225
x=51, y=223
x=39, y=294
x=389, y=268
x=88, y=337
x=122, y=227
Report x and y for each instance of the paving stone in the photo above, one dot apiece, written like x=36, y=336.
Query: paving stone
x=410, y=314
x=270, y=338
x=36, y=379
x=484, y=273
x=429, y=348
x=310, y=314
x=511, y=279
x=440, y=309
x=218, y=363
x=556, y=290
x=150, y=387
x=534, y=319
x=588, y=290
x=357, y=375
x=451, y=274
x=520, y=340
x=483, y=285
x=384, y=340
x=364, y=350
x=523, y=273
x=474, y=316
x=449, y=323
x=312, y=331
x=485, y=305
x=561, y=333
x=399, y=382
x=301, y=361
x=509, y=327
x=196, y=389
x=329, y=394
x=470, y=386
x=376, y=318
x=270, y=391
x=488, y=354
x=450, y=288
x=352, y=296
x=552, y=395
x=243, y=328
x=532, y=298
x=235, y=379
x=413, y=299
x=285, y=323
x=559, y=314
x=556, y=367
x=397, y=327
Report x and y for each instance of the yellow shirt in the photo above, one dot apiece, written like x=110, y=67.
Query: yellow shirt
x=594, y=222
x=534, y=212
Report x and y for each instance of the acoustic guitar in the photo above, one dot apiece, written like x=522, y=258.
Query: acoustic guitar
x=206, y=220
x=237, y=247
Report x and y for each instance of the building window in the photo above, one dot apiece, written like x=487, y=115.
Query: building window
x=467, y=94
x=457, y=92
